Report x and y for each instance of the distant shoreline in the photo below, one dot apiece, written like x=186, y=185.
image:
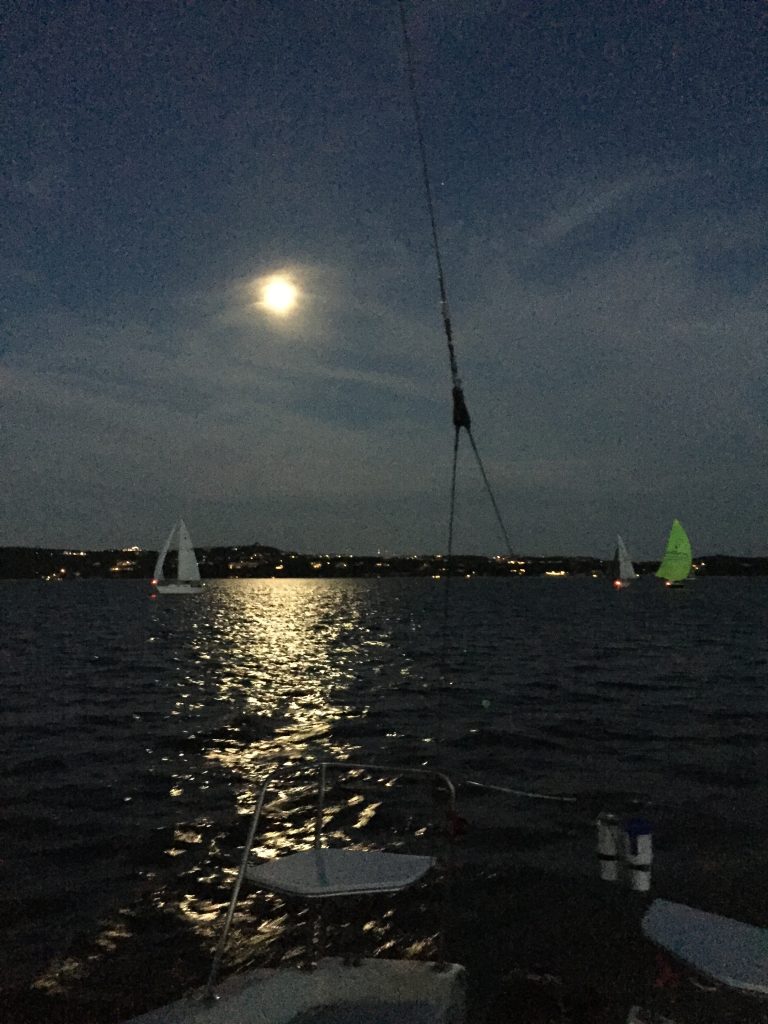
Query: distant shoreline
x=258, y=561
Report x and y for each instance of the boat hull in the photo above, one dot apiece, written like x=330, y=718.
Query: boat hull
x=178, y=588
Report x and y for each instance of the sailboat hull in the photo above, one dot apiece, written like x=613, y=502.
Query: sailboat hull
x=178, y=587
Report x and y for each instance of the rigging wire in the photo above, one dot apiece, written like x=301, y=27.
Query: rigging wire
x=461, y=420
x=461, y=417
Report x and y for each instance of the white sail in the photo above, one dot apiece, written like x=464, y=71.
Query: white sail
x=626, y=568
x=188, y=568
x=163, y=552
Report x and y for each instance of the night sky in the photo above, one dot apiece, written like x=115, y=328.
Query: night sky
x=601, y=186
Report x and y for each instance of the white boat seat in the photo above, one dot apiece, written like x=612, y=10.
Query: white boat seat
x=323, y=873
x=730, y=952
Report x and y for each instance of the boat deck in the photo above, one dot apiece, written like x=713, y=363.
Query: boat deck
x=376, y=992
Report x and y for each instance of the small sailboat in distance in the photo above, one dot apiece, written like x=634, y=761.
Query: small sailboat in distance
x=622, y=569
x=187, y=579
x=678, y=558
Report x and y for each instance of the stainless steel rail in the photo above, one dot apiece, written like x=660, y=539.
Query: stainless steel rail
x=323, y=768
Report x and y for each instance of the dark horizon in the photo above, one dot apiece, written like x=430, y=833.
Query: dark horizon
x=261, y=561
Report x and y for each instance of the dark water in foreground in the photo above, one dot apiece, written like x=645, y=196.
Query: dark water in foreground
x=136, y=732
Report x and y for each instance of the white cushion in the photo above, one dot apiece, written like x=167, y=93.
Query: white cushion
x=319, y=873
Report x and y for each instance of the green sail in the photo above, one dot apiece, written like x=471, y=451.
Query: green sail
x=676, y=564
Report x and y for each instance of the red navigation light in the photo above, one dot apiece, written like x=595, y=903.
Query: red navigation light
x=618, y=584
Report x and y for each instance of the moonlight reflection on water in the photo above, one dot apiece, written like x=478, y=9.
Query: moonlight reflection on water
x=138, y=733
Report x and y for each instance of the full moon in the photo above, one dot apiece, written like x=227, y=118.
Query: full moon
x=278, y=295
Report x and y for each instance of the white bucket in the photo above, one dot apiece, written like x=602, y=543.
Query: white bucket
x=608, y=831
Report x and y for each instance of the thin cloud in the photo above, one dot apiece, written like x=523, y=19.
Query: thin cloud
x=587, y=207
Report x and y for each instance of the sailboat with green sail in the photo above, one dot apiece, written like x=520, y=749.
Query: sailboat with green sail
x=676, y=565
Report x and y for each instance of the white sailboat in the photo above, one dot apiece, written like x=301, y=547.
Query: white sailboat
x=623, y=570
x=187, y=579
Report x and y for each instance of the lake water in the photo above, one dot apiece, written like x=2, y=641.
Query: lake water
x=136, y=731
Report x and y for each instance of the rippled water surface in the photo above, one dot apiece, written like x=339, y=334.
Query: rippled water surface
x=136, y=731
